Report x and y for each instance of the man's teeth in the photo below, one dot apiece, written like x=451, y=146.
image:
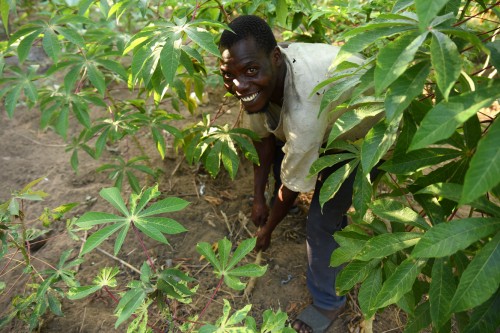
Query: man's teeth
x=249, y=98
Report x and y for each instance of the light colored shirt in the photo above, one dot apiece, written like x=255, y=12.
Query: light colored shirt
x=298, y=122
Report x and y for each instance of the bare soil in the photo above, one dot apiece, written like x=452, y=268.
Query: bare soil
x=217, y=209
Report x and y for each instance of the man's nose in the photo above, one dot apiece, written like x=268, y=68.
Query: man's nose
x=240, y=84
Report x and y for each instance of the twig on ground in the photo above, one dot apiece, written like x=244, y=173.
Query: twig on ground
x=83, y=319
x=251, y=282
x=111, y=256
x=228, y=225
x=119, y=260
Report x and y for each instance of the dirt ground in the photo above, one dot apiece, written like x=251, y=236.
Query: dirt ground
x=27, y=153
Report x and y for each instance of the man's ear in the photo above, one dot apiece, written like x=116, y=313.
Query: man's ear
x=277, y=56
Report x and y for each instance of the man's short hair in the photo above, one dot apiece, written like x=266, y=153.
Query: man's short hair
x=249, y=26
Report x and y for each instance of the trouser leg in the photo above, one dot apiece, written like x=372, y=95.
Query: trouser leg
x=321, y=225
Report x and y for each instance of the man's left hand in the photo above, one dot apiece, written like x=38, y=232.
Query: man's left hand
x=263, y=239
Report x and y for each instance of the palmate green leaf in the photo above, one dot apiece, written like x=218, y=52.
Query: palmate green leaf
x=420, y=320
x=120, y=239
x=230, y=159
x=212, y=162
x=363, y=39
x=247, y=148
x=394, y=59
x=11, y=100
x=377, y=143
x=332, y=184
x=399, y=283
x=442, y=120
x=241, y=251
x=24, y=47
x=445, y=239
x=203, y=38
x=249, y=270
x=150, y=231
x=368, y=292
x=472, y=132
x=170, y=56
x=427, y=11
x=129, y=303
x=446, y=61
x=90, y=219
x=96, y=78
x=326, y=161
x=113, y=196
x=355, y=272
x=395, y=211
x=167, y=205
x=352, y=118
x=362, y=193
x=485, y=317
x=481, y=278
x=165, y=225
x=82, y=292
x=402, y=92
x=4, y=14
x=336, y=92
x=206, y=250
x=386, y=244
x=100, y=236
x=419, y=159
x=224, y=250
x=51, y=44
x=441, y=292
x=71, y=35
x=233, y=282
x=484, y=170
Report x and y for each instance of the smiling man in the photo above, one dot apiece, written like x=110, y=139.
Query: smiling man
x=274, y=85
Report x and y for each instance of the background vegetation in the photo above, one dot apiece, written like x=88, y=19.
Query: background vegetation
x=430, y=69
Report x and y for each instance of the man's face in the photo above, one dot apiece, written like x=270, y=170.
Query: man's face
x=250, y=74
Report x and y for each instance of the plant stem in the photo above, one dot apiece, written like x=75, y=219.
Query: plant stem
x=477, y=14
x=145, y=250
x=212, y=297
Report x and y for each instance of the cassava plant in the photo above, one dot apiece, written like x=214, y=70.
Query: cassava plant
x=425, y=234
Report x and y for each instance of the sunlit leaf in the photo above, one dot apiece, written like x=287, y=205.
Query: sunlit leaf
x=446, y=61
x=481, y=278
x=427, y=11
x=395, y=58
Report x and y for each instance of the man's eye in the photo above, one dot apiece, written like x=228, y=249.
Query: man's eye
x=252, y=71
x=226, y=75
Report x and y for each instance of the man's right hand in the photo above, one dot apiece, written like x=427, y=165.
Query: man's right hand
x=260, y=213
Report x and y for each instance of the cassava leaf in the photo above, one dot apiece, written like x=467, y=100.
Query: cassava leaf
x=484, y=170
x=445, y=239
x=441, y=292
x=386, y=244
x=480, y=279
x=399, y=283
x=394, y=59
x=427, y=11
x=442, y=120
x=446, y=61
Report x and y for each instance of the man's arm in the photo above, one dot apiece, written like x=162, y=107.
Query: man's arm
x=265, y=150
x=279, y=210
